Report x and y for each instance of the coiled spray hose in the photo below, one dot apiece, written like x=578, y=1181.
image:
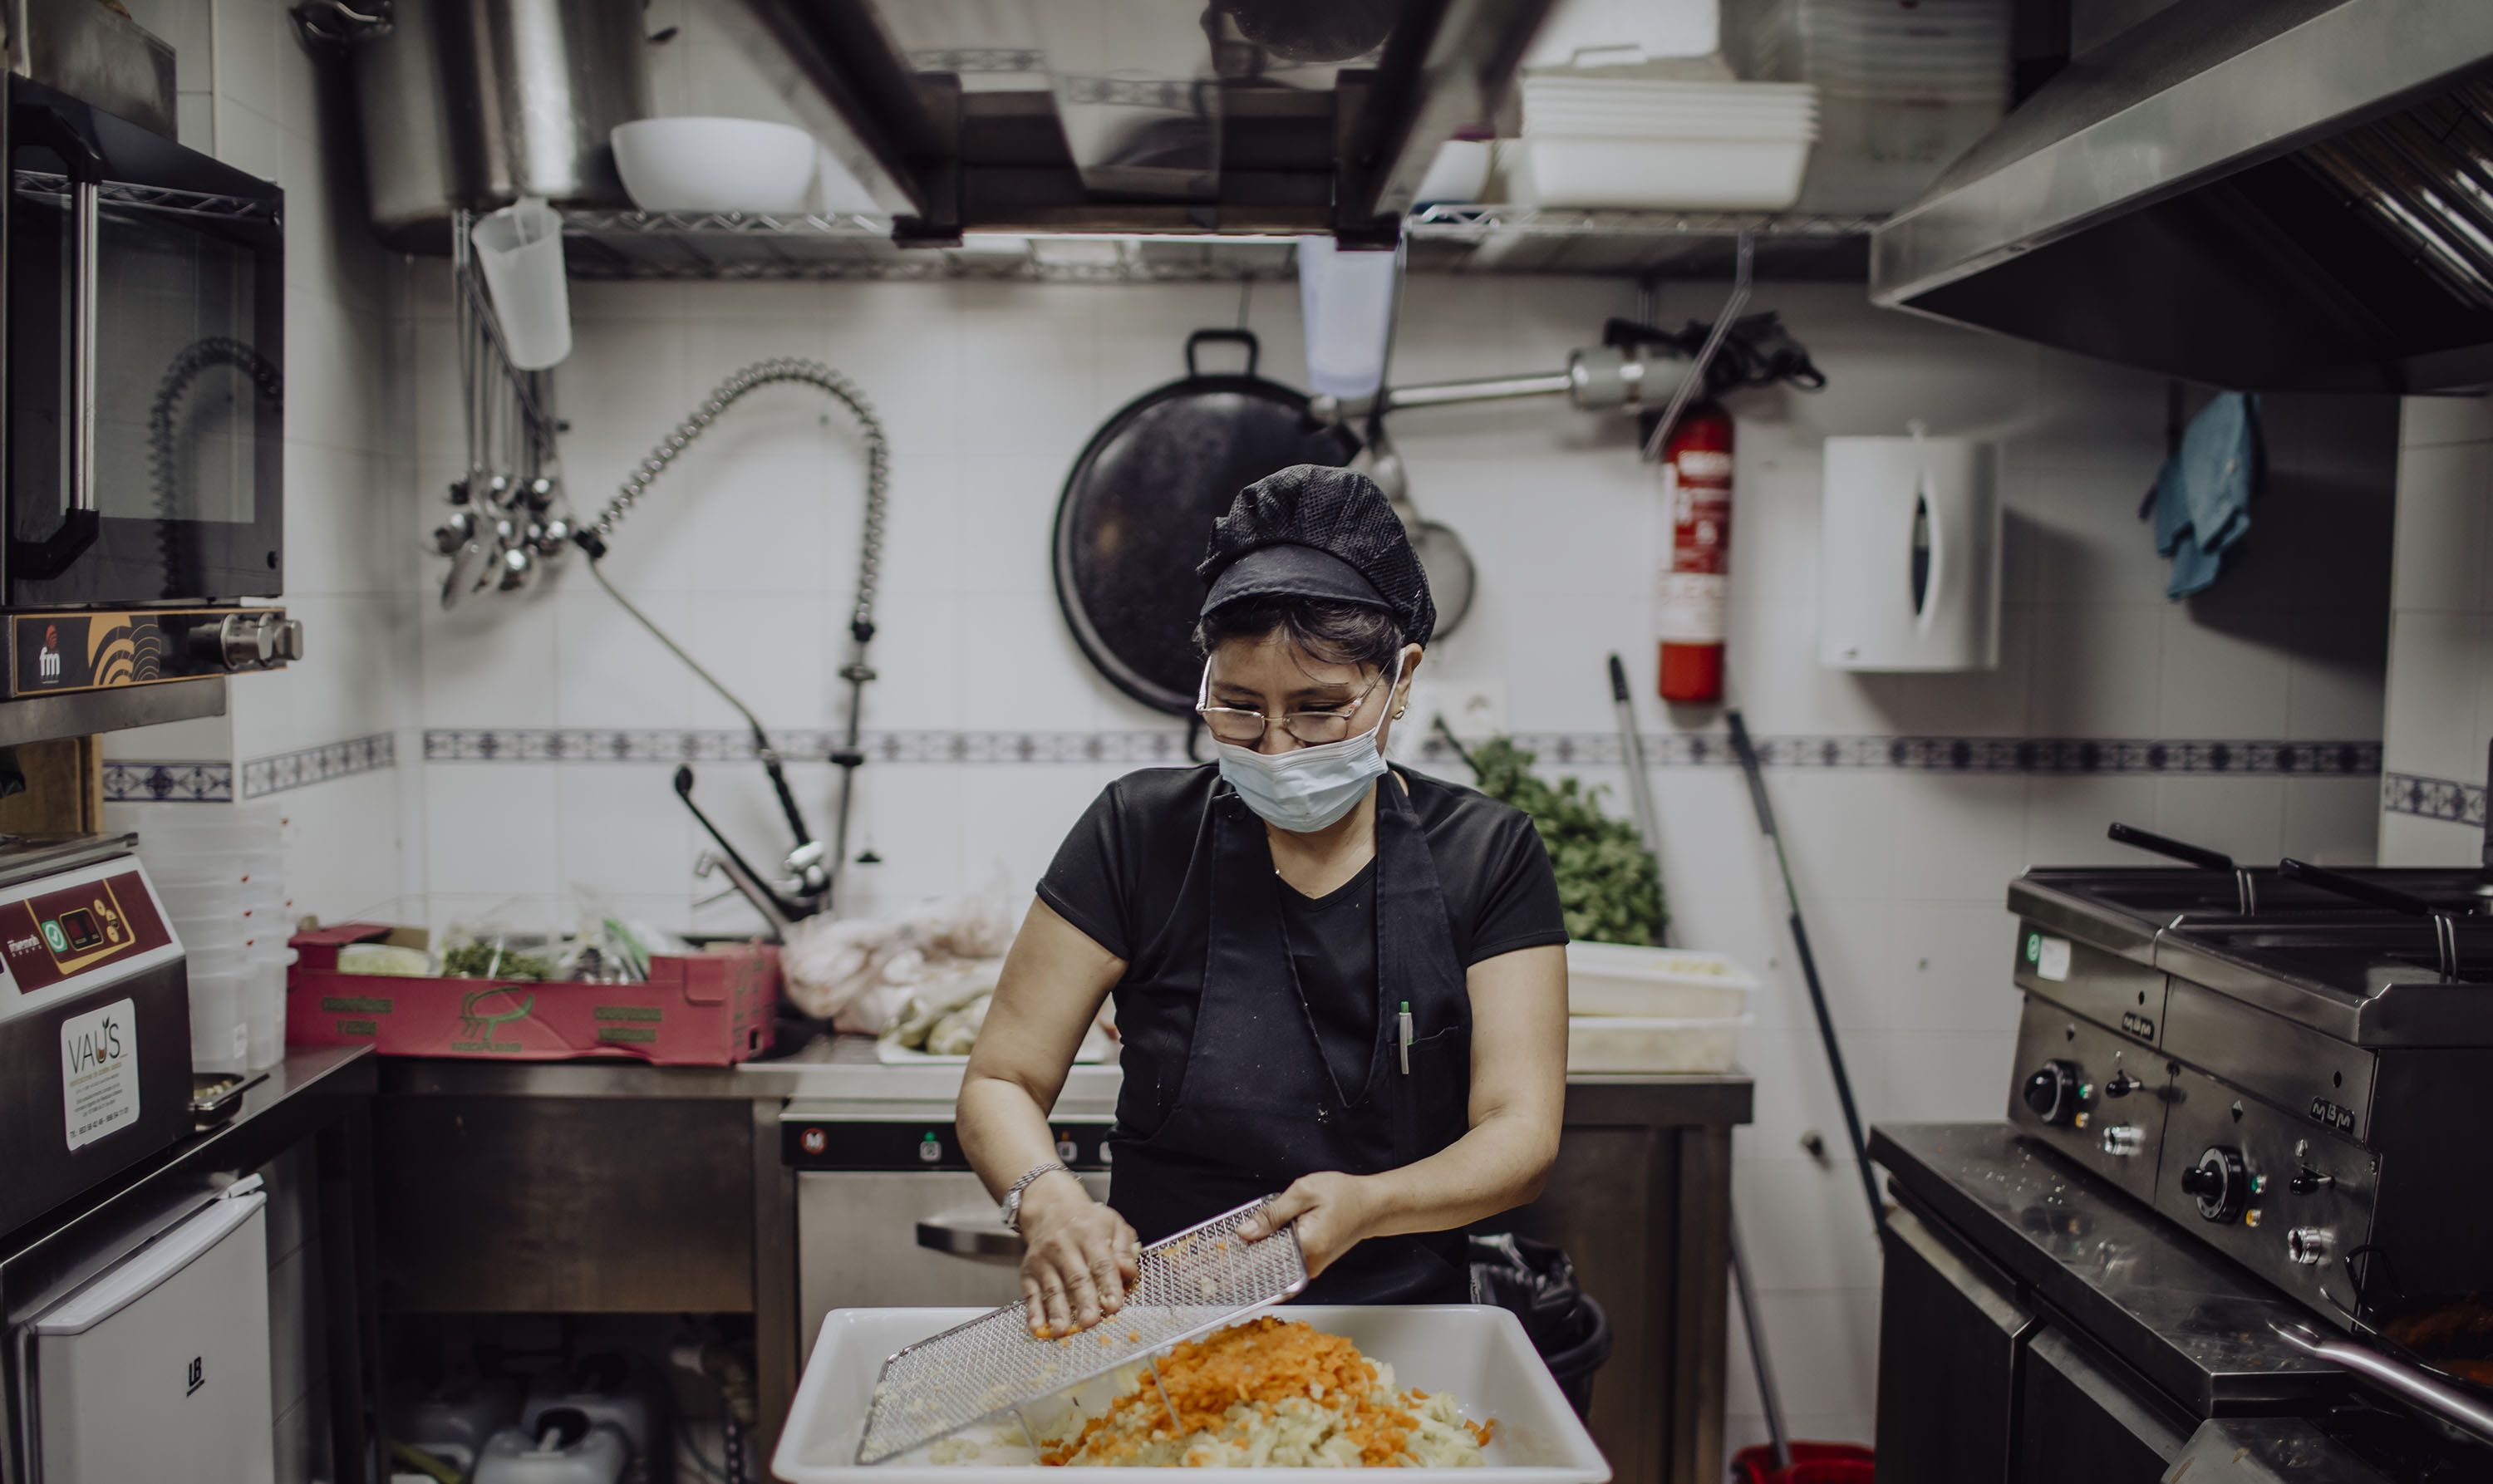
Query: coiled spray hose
x=808, y=860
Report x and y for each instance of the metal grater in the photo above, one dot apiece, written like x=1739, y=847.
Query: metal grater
x=1191, y=1284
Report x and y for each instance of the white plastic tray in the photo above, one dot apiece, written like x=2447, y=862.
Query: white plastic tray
x=1479, y=1353
x=1625, y=1043
x=1678, y=174
x=1655, y=983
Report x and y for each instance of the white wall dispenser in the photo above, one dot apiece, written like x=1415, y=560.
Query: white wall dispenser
x=1909, y=544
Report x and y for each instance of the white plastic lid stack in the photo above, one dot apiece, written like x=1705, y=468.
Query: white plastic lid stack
x=1654, y=144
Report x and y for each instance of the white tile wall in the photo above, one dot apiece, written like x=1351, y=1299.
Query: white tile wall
x=2441, y=625
x=249, y=94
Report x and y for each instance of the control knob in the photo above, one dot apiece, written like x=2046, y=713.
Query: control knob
x=249, y=642
x=2219, y=1184
x=2309, y=1246
x=2124, y=1141
x=2052, y=1093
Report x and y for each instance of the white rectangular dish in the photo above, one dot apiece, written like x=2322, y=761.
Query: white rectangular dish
x=1655, y=983
x=1477, y=1352
x=1657, y=174
x=1627, y=1044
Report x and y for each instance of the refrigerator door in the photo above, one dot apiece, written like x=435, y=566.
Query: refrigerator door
x=160, y=1367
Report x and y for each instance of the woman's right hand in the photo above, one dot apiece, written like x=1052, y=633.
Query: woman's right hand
x=1081, y=1256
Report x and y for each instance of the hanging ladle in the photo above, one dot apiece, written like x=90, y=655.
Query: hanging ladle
x=1441, y=553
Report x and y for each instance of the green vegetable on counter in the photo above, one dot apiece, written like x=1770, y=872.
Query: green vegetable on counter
x=1608, y=881
x=490, y=960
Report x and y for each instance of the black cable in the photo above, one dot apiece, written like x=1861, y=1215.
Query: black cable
x=1756, y=351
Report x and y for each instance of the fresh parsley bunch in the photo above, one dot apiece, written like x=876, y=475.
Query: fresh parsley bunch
x=1608, y=881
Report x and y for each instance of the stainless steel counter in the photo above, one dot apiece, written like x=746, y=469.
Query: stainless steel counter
x=573, y=1176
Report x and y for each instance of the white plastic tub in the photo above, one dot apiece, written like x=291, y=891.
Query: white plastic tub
x=1637, y=1044
x=1679, y=174
x=1656, y=983
x=1479, y=1353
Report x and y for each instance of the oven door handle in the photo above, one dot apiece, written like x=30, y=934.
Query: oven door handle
x=84, y=164
x=973, y=1234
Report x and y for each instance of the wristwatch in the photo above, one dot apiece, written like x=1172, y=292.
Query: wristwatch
x=1011, y=1209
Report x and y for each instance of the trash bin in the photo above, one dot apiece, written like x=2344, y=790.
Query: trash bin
x=1537, y=1282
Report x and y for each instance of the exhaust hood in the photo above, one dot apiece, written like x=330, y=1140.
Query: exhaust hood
x=2285, y=196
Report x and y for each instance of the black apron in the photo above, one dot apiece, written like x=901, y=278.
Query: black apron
x=1257, y=1104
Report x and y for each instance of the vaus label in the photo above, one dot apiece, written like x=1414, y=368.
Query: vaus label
x=98, y=1072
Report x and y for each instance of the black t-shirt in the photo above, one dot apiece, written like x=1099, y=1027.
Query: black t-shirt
x=1134, y=876
x=1332, y=945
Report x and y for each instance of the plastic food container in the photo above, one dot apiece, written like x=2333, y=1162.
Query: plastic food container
x=716, y=164
x=1625, y=979
x=220, y=1035
x=1639, y=1044
x=1479, y=1353
x=1657, y=174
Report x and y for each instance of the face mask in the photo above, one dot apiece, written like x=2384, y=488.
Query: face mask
x=1307, y=788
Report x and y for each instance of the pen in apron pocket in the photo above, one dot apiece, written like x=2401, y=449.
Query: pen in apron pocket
x=1403, y=1022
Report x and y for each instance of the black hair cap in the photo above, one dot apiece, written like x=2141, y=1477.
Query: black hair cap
x=1338, y=512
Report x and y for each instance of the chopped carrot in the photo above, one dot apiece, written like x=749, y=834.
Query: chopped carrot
x=1259, y=1364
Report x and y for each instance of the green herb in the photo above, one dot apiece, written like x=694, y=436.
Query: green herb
x=1608, y=881
x=488, y=961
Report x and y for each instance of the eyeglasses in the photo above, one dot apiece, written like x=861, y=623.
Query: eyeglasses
x=1245, y=728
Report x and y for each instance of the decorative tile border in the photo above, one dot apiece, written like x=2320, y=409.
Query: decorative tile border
x=1946, y=754
x=264, y=776
x=168, y=783
x=214, y=782
x=1964, y=755
x=2433, y=798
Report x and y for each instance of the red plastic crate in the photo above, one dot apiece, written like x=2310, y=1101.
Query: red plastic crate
x=697, y=1010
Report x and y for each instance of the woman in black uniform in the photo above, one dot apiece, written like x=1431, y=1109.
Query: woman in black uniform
x=1334, y=980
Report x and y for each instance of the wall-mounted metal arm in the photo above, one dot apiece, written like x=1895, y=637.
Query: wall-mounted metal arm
x=1597, y=378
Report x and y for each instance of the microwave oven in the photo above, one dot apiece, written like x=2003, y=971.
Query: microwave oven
x=142, y=417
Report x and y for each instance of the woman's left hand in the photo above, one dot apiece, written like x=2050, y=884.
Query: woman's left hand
x=1333, y=1211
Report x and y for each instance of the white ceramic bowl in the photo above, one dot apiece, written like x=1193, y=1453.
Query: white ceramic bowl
x=706, y=164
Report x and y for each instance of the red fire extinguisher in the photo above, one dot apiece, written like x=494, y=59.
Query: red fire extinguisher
x=1694, y=587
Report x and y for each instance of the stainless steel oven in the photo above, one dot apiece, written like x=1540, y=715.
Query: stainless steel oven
x=887, y=1211
x=142, y=478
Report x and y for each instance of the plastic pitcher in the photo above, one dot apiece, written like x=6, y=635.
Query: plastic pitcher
x=519, y=249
